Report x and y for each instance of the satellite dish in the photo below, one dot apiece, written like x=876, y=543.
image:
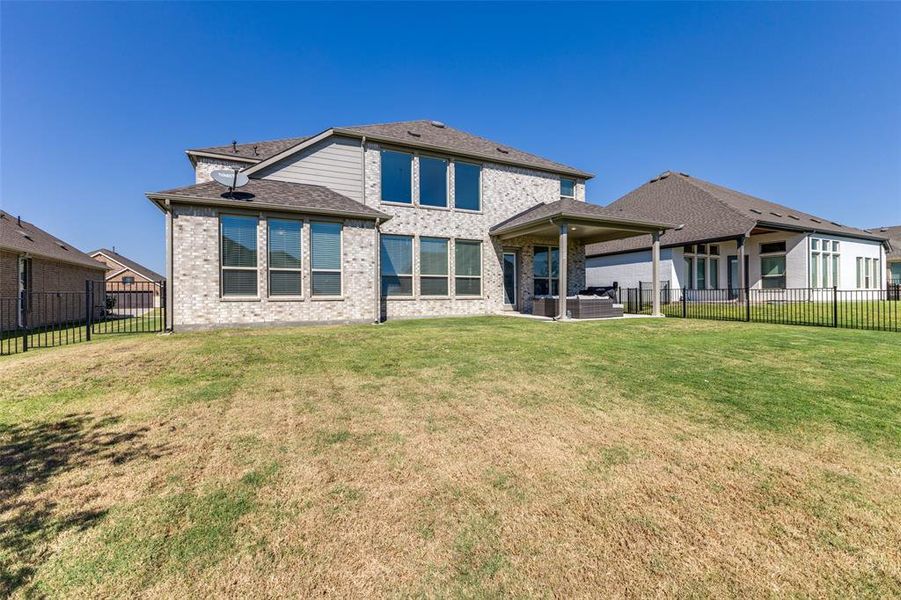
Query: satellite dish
x=230, y=178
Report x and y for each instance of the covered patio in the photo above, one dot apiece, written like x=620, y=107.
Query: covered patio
x=569, y=225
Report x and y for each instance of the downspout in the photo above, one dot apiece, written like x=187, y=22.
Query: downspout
x=377, y=279
x=170, y=264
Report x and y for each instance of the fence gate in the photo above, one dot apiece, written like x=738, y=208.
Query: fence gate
x=47, y=319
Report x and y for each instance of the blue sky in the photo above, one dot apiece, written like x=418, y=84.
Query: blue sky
x=796, y=103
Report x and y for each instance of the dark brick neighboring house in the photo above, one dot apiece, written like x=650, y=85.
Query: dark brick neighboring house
x=51, y=272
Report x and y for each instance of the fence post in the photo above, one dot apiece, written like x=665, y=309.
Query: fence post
x=748, y=305
x=23, y=311
x=88, y=307
x=684, y=304
x=835, y=306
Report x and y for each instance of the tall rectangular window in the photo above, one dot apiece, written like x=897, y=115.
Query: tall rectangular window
x=396, y=260
x=468, y=268
x=568, y=188
x=701, y=266
x=689, y=272
x=432, y=181
x=433, y=273
x=467, y=186
x=814, y=269
x=835, y=271
x=714, y=272
x=238, y=255
x=826, y=270
x=546, y=271
x=397, y=177
x=326, y=257
x=772, y=272
x=284, y=257
x=859, y=272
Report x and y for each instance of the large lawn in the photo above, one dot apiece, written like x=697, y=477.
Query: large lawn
x=461, y=457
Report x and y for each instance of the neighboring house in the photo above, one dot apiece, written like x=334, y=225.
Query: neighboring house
x=42, y=278
x=130, y=281
x=365, y=223
x=893, y=257
x=782, y=247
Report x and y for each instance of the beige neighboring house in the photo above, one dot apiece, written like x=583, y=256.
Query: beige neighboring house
x=42, y=278
x=893, y=257
x=126, y=277
x=373, y=222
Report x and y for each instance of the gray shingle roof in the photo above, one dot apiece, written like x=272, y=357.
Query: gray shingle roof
x=256, y=151
x=266, y=193
x=127, y=262
x=23, y=237
x=568, y=208
x=708, y=212
x=893, y=233
x=421, y=133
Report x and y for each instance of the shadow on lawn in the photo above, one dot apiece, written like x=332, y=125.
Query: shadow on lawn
x=31, y=455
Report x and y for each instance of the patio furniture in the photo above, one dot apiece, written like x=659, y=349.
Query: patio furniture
x=578, y=307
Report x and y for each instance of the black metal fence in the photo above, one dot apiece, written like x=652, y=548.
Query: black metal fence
x=823, y=307
x=47, y=319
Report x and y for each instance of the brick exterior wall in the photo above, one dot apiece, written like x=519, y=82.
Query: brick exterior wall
x=506, y=191
x=206, y=165
x=197, y=299
x=57, y=290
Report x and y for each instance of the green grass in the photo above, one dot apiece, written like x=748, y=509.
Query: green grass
x=50, y=336
x=481, y=457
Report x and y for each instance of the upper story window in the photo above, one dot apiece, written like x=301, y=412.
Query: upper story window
x=284, y=257
x=568, y=188
x=432, y=181
x=128, y=280
x=326, y=258
x=467, y=186
x=396, y=260
x=238, y=255
x=397, y=177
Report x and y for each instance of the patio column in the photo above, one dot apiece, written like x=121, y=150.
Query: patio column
x=742, y=276
x=564, y=268
x=655, y=274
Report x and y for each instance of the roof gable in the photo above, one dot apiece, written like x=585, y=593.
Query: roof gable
x=709, y=212
x=23, y=237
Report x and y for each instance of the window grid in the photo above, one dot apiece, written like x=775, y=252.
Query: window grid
x=234, y=281
x=824, y=263
x=281, y=271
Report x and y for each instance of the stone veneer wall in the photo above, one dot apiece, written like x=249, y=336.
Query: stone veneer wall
x=197, y=299
x=506, y=191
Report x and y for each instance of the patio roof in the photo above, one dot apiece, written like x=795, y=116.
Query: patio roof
x=588, y=223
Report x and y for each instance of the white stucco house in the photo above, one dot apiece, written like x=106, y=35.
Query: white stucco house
x=731, y=241
x=373, y=222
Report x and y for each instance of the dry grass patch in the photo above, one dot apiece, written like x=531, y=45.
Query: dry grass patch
x=463, y=458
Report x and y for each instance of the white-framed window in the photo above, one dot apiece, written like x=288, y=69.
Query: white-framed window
x=397, y=176
x=467, y=186
x=128, y=280
x=396, y=261
x=433, y=266
x=824, y=263
x=772, y=265
x=702, y=266
x=238, y=255
x=868, y=273
x=326, y=254
x=467, y=268
x=546, y=271
x=432, y=181
x=285, y=269
x=567, y=188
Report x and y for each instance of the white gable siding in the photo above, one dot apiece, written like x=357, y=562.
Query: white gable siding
x=335, y=163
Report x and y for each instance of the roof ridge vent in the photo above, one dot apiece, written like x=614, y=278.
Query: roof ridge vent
x=503, y=150
x=795, y=217
x=815, y=220
x=684, y=174
x=413, y=133
x=61, y=245
x=775, y=214
x=754, y=210
x=437, y=124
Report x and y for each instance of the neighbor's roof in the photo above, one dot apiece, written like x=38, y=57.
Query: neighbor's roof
x=709, y=212
x=23, y=237
x=273, y=195
x=132, y=265
x=420, y=134
x=567, y=208
x=893, y=233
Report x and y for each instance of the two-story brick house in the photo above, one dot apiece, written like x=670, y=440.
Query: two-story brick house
x=372, y=222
